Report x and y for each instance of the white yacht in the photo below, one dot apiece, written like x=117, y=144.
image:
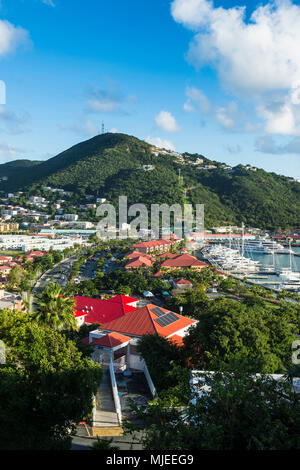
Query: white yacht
x=265, y=246
x=291, y=285
x=230, y=260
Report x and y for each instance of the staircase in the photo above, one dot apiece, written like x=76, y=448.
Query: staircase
x=105, y=422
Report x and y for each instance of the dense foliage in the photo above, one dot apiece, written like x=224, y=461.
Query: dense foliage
x=236, y=411
x=45, y=385
x=110, y=165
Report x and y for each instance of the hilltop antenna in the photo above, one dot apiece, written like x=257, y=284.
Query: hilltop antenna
x=102, y=128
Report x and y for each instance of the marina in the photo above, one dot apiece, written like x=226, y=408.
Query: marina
x=262, y=262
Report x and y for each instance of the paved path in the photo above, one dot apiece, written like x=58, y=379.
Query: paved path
x=105, y=415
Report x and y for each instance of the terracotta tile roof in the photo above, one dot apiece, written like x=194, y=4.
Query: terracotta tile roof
x=182, y=261
x=183, y=281
x=153, y=243
x=111, y=340
x=142, y=321
x=158, y=274
x=138, y=262
x=36, y=253
x=5, y=267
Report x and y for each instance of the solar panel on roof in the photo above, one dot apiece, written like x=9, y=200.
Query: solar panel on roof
x=172, y=316
x=167, y=319
x=161, y=321
x=158, y=311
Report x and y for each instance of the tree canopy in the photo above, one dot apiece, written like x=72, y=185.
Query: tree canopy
x=45, y=385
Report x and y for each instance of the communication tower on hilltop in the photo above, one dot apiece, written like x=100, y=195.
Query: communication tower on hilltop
x=102, y=128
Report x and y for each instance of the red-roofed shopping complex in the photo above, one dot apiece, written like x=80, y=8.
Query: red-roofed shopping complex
x=89, y=310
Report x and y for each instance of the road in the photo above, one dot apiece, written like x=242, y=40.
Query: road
x=88, y=269
x=59, y=274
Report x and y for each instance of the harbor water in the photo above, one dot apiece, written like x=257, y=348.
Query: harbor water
x=277, y=261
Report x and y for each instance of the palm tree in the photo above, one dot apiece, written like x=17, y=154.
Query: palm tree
x=55, y=310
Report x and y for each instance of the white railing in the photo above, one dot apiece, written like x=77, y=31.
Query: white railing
x=115, y=391
x=149, y=380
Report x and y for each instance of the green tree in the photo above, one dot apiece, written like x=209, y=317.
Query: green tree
x=157, y=350
x=16, y=276
x=55, y=310
x=45, y=385
x=235, y=411
x=230, y=332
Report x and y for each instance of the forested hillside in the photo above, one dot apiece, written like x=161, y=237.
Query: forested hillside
x=110, y=165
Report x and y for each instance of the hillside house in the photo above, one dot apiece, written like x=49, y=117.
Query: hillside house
x=182, y=284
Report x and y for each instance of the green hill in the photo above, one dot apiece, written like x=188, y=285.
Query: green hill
x=110, y=165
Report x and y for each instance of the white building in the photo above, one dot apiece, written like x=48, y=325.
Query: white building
x=70, y=217
x=28, y=243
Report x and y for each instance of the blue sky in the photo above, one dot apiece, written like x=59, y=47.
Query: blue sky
x=194, y=75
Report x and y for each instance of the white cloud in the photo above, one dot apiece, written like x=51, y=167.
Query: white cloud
x=233, y=149
x=8, y=151
x=49, y=2
x=105, y=105
x=282, y=113
x=226, y=115
x=229, y=116
x=267, y=144
x=191, y=13
x=160, y=143
x=11, y=123
x=196, y=98
x=166, y=121
x=86, y=128
x=257, y=58
x=109, y=99
x=258, y=55
x=11, y=37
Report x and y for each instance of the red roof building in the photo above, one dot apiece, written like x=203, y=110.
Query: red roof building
x=182, y=284
x=184, y=261
x=5, y=269
x=91, y=310
x=137, y=254
x=140, y=261
x=110, y=340
x=149, y=320
x=158, y=274
x=5, y=259
x=153, y=245
x=36, y=254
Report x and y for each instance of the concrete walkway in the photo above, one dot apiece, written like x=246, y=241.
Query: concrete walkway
x=105, y=415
